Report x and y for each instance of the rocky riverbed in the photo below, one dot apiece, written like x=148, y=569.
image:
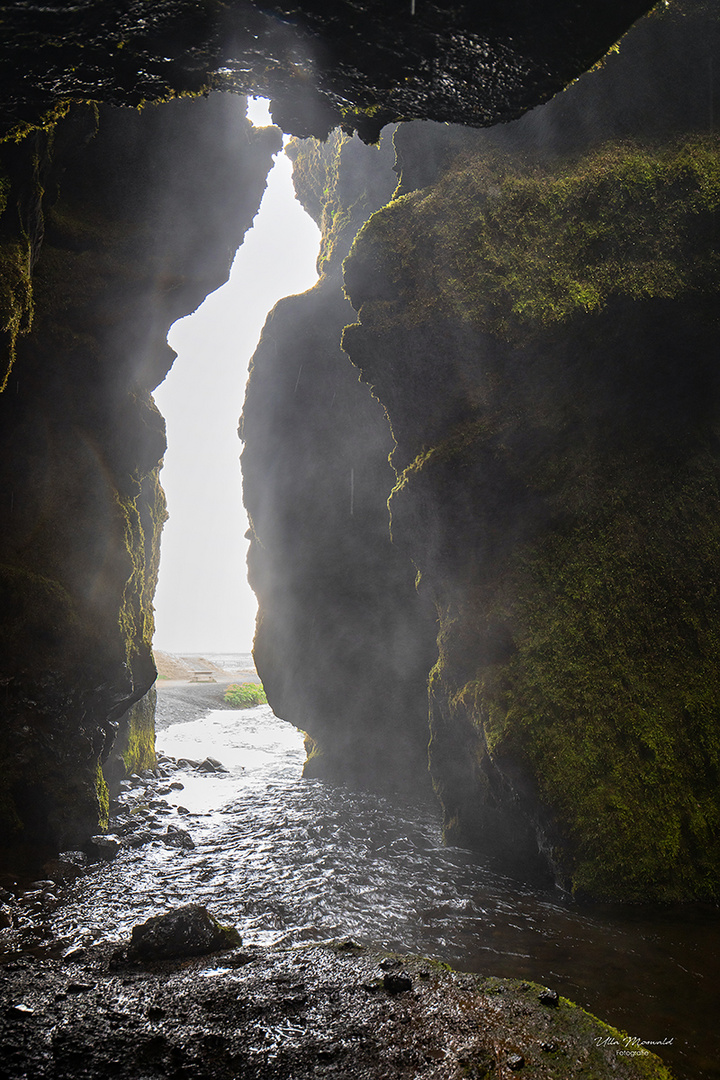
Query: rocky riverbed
x=338, y=1010
x=76, y=1001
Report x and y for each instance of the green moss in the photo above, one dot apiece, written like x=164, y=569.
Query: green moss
x=245, y=695
x=16, y=302
x=103, y=798
x=46, y=122
x=508, y=247
x=143, y=516
x=334, y=184
x=139, y=752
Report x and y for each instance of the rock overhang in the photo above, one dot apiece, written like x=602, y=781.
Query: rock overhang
x=356, y=64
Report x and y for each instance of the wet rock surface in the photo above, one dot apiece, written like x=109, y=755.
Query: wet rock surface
x=361, y=64
x=139, y=817
x=303, y=1012
x=187, y=931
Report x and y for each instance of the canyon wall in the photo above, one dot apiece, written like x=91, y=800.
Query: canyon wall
x=121, y=222
x=538, y=318
x=343, y=641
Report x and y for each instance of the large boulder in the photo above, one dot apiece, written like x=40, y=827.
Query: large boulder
x=187, y=931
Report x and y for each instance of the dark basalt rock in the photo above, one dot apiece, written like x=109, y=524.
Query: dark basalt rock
x=188, y=931
x=343, y=642
x=128, y=220
x=359, y=64
x=175, y=1022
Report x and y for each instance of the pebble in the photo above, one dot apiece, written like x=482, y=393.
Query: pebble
x=178, y=838
x=140, y=838
x=21, y=1011
x=515, y=1061
x=67, y=867
x=549, y=997
x=397, y=982
x=107, y=845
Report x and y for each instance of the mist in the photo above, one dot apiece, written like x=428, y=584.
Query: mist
x=203, y=601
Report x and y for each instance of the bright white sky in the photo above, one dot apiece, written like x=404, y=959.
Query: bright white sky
x=203, y=602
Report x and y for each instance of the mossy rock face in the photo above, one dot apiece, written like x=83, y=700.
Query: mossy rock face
x=130, y=219
x=557, y=459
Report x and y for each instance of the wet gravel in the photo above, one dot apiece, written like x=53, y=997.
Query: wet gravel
x=291, y=1014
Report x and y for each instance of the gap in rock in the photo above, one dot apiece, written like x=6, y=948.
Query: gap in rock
x=203, y=602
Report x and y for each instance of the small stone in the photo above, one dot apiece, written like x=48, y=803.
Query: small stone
x=239, y=959
x=182, y=810
x=389, y=963
x=515, y=1061
x=140, y=838
x=397, y=982
x=6, y=919
x=79, y=987
x=107, y=846
x=548, y=1047
x=74, y=953
x=20, y=1011
x=178, y=838
x=29, y=896
x=176, y=786
x=349, y=945
x=549, y=997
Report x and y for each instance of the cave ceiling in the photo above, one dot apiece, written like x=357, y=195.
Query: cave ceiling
x=357, y=63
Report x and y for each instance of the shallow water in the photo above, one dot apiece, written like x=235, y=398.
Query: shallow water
x=288, y=859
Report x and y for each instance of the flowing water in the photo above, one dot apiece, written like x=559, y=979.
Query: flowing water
x=288, y=859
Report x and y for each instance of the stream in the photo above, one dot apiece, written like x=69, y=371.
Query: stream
x=292, y=860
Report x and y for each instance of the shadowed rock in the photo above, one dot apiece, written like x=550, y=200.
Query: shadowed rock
x=188, y=931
